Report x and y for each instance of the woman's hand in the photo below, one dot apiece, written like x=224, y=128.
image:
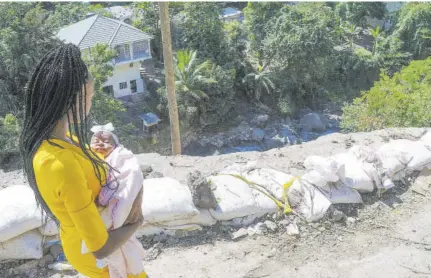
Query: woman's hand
x=135, y=214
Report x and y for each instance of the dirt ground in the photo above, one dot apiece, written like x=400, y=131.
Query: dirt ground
x=386, y=237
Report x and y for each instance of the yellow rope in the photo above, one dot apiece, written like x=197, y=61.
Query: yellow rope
x=283, y=206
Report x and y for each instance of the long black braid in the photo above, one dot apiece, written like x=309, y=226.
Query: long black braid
x=56, y=84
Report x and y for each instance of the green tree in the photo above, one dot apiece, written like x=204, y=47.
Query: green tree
x=25, y=37
x=105, y=107
x=299, y=47
x=356, y=12
x=189, y=80
x=9, y=133
x=147, y=20
x=412, y=27
x=258, y=18
x=376, y=34
x=258, y=81
x=67, y=13
x=189, y=75
x=403, y=100
x=203, y=30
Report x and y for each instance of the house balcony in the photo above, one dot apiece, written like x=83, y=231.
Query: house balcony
x=138, y=56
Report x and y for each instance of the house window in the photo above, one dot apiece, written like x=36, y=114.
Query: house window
x=133, y=86
x=123, y=52
x=109, y=90
x=140, y=49
x=123, y=85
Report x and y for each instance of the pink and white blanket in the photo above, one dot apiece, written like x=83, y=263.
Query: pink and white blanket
x=117, y=196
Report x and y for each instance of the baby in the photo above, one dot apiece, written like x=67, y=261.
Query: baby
x=116, y=198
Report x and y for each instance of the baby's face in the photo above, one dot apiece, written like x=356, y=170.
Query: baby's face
x=103, y=143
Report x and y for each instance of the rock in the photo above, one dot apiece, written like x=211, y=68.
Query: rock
x=257, y=229
x=202, y=194
x=260, y=121
x=284, y=222
x=60, y=267
x=350, y=221
x=338, y=216
x=28, y=269
x=271, y=225
x=257, y=134
x=312, y=122
x=146, y=169
x=155, y=175
x=423, y=182
x=292, y=229
x=55, y=250
x=243, y=221
x=153, y=252
x=240, y=233
x=160, y=238
x=46, y=260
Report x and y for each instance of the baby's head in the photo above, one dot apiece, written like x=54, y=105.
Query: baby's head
x=103, y=142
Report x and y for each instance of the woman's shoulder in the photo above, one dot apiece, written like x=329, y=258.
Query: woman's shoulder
x=54, y=158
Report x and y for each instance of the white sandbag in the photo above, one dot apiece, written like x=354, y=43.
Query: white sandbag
x=165, y=199
x=327, y=167
x=204, y=218
x=272, y=180
x=338, y=193
x=354, y=175
x=427, y=138
x=25, y=246
x=307, y=201
x=49, y=229
x=399, y=157
x=235, y=198
x=18, y=212
x=315, y=178
x=364, y=153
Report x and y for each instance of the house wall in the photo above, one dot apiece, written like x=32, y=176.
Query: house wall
x=125, y=73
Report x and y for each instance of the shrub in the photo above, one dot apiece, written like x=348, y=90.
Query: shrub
x=403, y=100
x=9, y=134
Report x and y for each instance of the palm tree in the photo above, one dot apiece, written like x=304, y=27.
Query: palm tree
x=189, y=76
x=258, y=81
x=351, y=32
x=375, y=33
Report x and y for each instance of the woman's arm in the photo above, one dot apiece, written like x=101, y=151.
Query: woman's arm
x=119, y=236
x=116, y=239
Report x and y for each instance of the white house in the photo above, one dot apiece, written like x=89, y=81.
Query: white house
x=231, y=14
x=132, y=45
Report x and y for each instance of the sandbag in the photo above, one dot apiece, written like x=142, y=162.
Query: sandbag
x=307, y=201
x=18, y=212
x=427, y=138
x=338, y=193
x=354, y=175
x=235, y=198
x=272, y=180
x=204, y=218
x=50, y=228
x=327, y=167
x=24, y=246
x=165, y=199
x=400, y=157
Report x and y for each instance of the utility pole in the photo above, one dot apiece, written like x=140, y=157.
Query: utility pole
x=169, y=76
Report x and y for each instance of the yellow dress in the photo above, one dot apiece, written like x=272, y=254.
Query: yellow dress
x=69, y=186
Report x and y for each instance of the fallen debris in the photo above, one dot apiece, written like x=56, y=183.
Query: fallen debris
x=292, y=229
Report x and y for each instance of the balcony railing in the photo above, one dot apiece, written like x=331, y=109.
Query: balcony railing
x=136, y=56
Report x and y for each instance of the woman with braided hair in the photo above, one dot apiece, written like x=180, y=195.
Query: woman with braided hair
x=65, y=174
